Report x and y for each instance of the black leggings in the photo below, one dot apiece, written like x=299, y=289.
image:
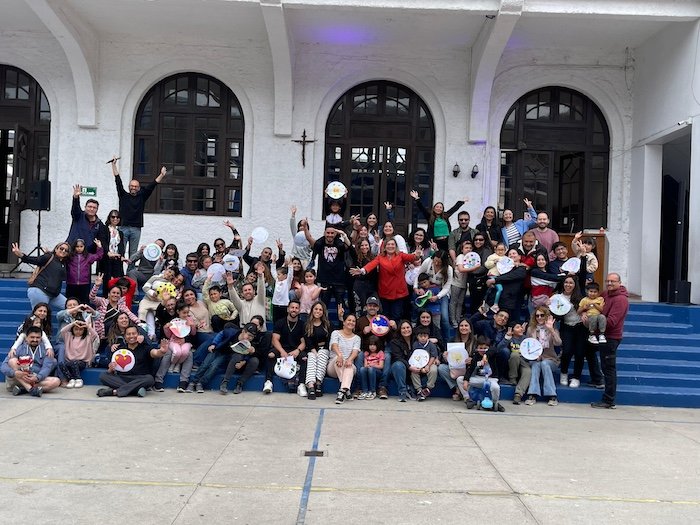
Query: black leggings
x=71, y=369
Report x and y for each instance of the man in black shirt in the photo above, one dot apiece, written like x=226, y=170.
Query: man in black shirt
x=137, y=365
x=131, y=206
x=331, y=264
x=287, y=340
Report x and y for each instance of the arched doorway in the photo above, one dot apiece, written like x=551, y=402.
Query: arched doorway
x=193, y=125
x=380, y=143
x=555, y=148
x=25, y=121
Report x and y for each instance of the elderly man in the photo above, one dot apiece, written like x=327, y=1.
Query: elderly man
x=131, y=206
x=28, y=368
x=615, y=310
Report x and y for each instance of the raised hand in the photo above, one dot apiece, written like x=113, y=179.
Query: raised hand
x=414, y=194
x=527, y=202
x=99, y=279
x=293, y=210
x=76, y=190
x=16, y=250
x=98, y=243
x=388, y=205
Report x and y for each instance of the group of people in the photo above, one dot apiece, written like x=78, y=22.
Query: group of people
x=398, y=299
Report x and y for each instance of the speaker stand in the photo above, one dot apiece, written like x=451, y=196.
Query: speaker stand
x=38, y=250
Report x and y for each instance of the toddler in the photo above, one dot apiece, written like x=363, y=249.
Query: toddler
x=372, y=368
x=592, y=306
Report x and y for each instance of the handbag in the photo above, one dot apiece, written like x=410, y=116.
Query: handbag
x=286, y=367
x=38, y=270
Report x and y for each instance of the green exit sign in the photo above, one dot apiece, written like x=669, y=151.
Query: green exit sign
x=87, y=191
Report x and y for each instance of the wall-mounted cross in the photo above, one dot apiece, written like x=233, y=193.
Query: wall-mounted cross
x=303, y=143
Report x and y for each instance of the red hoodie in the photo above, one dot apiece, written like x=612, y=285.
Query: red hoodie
x=615, y=311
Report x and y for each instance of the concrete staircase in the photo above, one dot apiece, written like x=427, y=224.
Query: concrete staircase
x=658, y=360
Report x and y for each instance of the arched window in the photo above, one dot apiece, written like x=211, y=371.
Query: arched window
x=25, y=121
x=193, y=125
x=380, y=143
x=555, y=149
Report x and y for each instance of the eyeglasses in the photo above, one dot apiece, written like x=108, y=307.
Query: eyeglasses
x=610, y=281
x=192, y=261
x=463, y=220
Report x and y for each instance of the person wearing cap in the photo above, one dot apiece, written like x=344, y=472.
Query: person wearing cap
x=243, y=364
x=363, y=328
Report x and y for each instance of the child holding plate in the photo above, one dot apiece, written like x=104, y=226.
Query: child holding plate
x=423, y=362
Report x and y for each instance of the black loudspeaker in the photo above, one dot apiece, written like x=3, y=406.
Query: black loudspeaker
x=678, y=292
x=39, y=195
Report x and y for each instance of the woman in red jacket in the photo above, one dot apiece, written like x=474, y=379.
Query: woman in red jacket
x=392, y=277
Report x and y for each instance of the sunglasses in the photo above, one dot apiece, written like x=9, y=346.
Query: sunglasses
x=540, y=315
x=62, y=249
x=114, y=217
x=219, y=245
x=478, y=240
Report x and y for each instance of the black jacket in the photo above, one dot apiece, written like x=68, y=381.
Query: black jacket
x=131, y=206
x=51, y=278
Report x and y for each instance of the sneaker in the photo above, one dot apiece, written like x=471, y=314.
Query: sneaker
x=79, y=383
x=426, y=392
x=190, y=387
x=383, y=394
x=319, y=390
x=602, y=404
x=349, y=396
x=420, y=396
x=267, y=388
x=371, y=395
x=593, y=339
x=355, y=394
x=103, y=392
x=499, y=408
x=470, y=404
x=340, y=398
x=410, y=395
x=531, y=401
x=599, y=386
x=362, y=396
x=601, y=339
x=223, y=388
x=402, y=397
x=199, y=388
x=564, y=379
x=311, y=394
x=575, y=383
x=553, y=401
x=18, y=390
x=238, y=389
x=70, y=384
x=182, y=387
x=158, y=387
x=141, y=392
x=36, y=391
x=302, y=391
x=517, y=399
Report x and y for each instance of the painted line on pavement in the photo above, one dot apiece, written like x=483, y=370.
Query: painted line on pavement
x=304, y=502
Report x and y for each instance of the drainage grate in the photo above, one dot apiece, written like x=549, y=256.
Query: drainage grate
x=313, y=453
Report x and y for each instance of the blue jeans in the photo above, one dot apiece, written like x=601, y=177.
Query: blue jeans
x=210, y=367
x=131, y=236
x=445, y=317
x=201, y=353
x=36, y=296
x=398, y=370
x=368, y=378
x=545, y=368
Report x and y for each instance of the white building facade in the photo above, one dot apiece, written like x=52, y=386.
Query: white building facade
x=289, y=62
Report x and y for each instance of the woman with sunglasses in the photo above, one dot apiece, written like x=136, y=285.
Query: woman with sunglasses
x=490, y=226
x=112, y=264
x=541, y=327
x=477, y=277
x=47, y=284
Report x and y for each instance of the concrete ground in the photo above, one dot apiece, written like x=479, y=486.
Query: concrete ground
x=71, y=457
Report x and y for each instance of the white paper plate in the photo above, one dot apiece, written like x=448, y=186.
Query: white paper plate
x=379, y=325
x=559, y=305
x=216, y=271
x=179, y=327
x=123, y=360
x=152, y=252
x=572, y=265
x=336, y=190
x=456, y=355
x=300, y=239
x=530, y=348
x=260, y=234
x=471, y=260
x=419, y=358
x=231, y=263
x=505, y=265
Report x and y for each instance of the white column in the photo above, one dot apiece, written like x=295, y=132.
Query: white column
x=694, y=215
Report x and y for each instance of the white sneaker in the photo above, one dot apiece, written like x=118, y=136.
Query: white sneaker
x=301, y=390
x=575, y=383
x=593, y=339
x=601, y=339
x=363, y=395
x=268, y=387
x=79, y=383
x=564, y=379
x=71, y=384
